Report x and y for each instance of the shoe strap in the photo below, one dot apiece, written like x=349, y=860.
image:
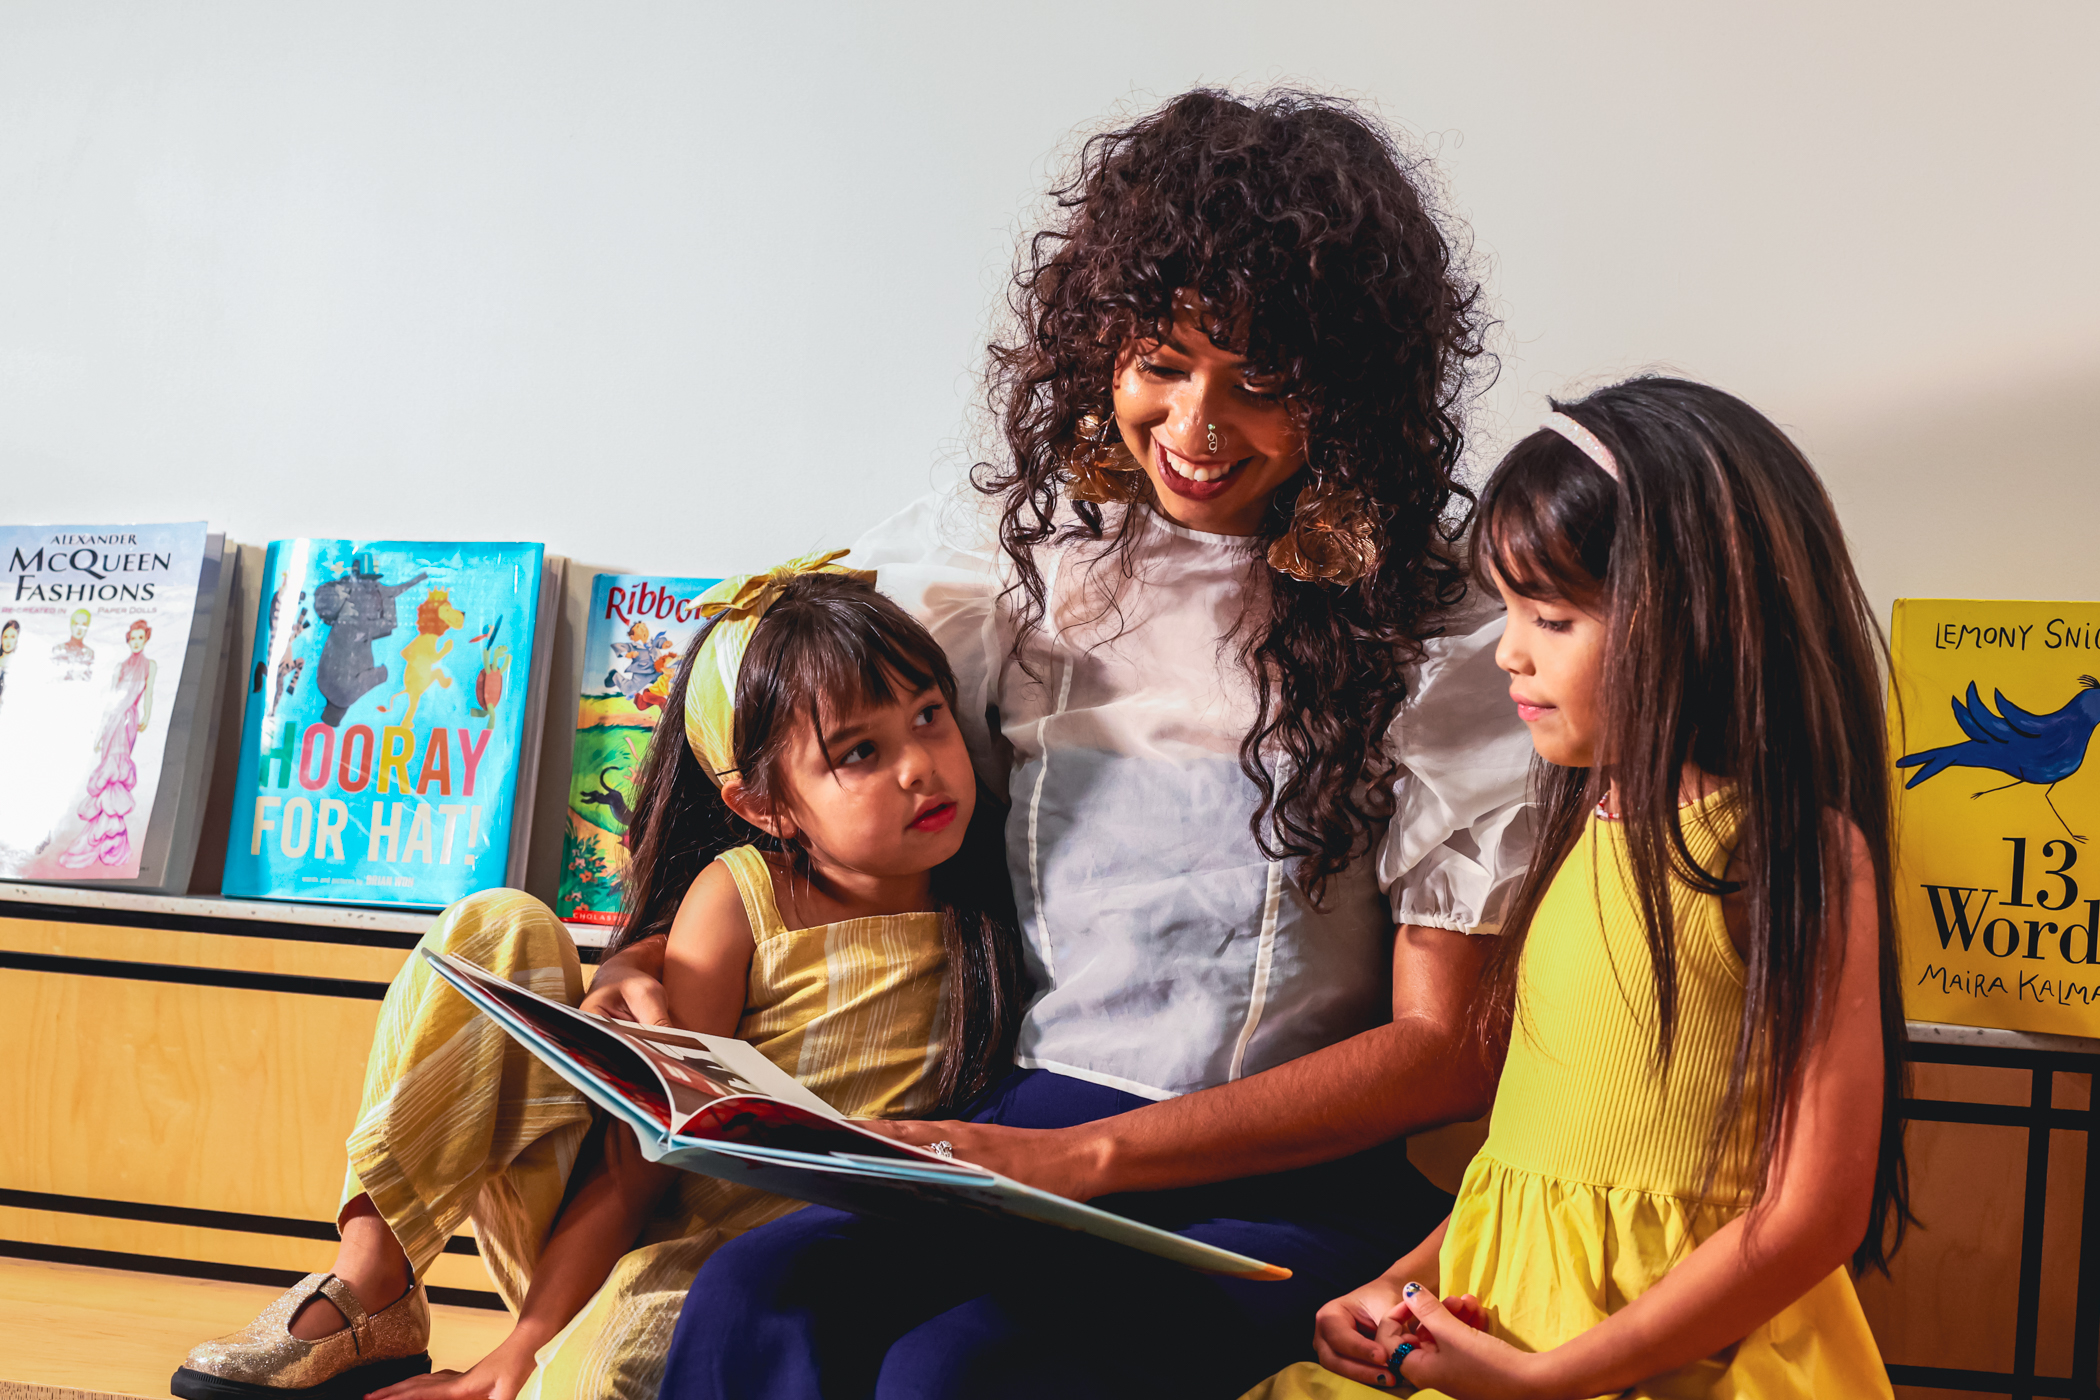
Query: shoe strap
x=338, y=1293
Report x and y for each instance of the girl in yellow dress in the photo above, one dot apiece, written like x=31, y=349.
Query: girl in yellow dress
x=805, y=839
x=1694, y=1139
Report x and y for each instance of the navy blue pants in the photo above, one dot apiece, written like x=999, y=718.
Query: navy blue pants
x=828, y=1304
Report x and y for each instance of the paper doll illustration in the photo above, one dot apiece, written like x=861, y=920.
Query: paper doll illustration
x=2029, y=748
x=359, y=610
x=109, y=803
x=74, y=655
x=488, y=682
x=420, y=659
x=10, y=638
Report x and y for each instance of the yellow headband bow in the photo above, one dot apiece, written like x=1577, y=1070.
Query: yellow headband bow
x=710, y=691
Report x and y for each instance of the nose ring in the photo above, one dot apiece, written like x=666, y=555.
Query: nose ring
x=1210, y=436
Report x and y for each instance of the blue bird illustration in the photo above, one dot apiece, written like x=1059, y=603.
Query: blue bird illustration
x=2039, y=749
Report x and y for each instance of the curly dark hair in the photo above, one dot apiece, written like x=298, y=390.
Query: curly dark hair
x=1314, y=248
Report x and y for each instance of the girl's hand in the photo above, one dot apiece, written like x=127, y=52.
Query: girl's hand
x=1445, y=1353
x=1354, y=1335
x=1395, y=1325
x=1348, y=1338
x=497, y=1376
x=1063, y=1161
x=629, y=985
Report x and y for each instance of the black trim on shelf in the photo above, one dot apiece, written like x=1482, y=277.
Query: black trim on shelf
x=207, y=923
x=214, y=923
x=2002, y=1056
x=199, y=1268
x=287, y=1226
x=1988, y=1382
x=195, y=976
x=2000, y=1115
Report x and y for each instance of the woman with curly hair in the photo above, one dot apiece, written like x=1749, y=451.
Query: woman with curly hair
x=1263, y=781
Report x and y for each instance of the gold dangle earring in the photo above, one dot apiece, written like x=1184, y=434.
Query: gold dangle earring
x=1332, y=538
x=1099, y=468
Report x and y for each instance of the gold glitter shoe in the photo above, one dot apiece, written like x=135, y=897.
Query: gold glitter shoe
x=264, y=1361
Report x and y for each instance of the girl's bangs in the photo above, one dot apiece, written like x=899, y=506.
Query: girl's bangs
x=835, y=654
x=1545, y=524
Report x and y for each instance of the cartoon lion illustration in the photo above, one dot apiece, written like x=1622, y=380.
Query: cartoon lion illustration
x=421, y=659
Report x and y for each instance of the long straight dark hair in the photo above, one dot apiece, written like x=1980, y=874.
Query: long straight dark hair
x=1739, y=641
x=830, y=644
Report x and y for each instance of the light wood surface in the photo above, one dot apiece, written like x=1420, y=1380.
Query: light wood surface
x=166, y=1094
x=215, y=1246
x=107, y=1332
x=157, y=1092
x=219, y=950
x=1951, y=1292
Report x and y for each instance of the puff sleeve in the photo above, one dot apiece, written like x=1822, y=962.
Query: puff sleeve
x=939, y=560
x=1461, y=833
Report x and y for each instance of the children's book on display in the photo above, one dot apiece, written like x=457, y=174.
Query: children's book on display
x=112, y=639
x=1995, y=704
x=394, y=696
x=639, y=627
x=719, y=1107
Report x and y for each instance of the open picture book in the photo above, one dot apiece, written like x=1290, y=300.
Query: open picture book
x=717, y=1106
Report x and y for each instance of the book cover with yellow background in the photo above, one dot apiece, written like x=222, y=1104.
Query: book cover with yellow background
x=1997, y=877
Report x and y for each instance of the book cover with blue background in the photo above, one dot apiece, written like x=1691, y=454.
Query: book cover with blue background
x=386, y=721
x=640, y=626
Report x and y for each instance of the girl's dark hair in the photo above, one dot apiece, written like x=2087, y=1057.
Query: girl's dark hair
x=829, y=645
x=1313, y=248
x=1738, y=641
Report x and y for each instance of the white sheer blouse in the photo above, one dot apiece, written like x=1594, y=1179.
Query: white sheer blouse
x=1168, y=953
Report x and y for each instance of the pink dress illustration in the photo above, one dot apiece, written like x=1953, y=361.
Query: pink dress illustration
x=109, y=802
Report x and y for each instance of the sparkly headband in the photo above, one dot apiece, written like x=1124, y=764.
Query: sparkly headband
x=1583, y=438
x=710, y=691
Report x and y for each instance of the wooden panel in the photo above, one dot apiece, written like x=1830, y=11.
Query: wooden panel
x=167, y=1094
x=208, y=1246
x=107, y=1332
x=1968, y=1191
x=280, y=955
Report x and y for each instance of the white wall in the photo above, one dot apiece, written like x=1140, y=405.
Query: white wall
x=691, y=288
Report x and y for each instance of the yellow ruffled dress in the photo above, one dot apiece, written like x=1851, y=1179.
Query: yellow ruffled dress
x=1591, y=1185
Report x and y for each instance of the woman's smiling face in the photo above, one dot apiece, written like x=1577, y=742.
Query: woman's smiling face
x=1176, y=398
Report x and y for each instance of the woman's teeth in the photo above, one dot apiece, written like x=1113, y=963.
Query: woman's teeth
x=1195, y=471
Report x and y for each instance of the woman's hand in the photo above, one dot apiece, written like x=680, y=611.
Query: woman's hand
x=497, y=1376
x=629, y=985
x=1066, y=1162
x=1448, y=1352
